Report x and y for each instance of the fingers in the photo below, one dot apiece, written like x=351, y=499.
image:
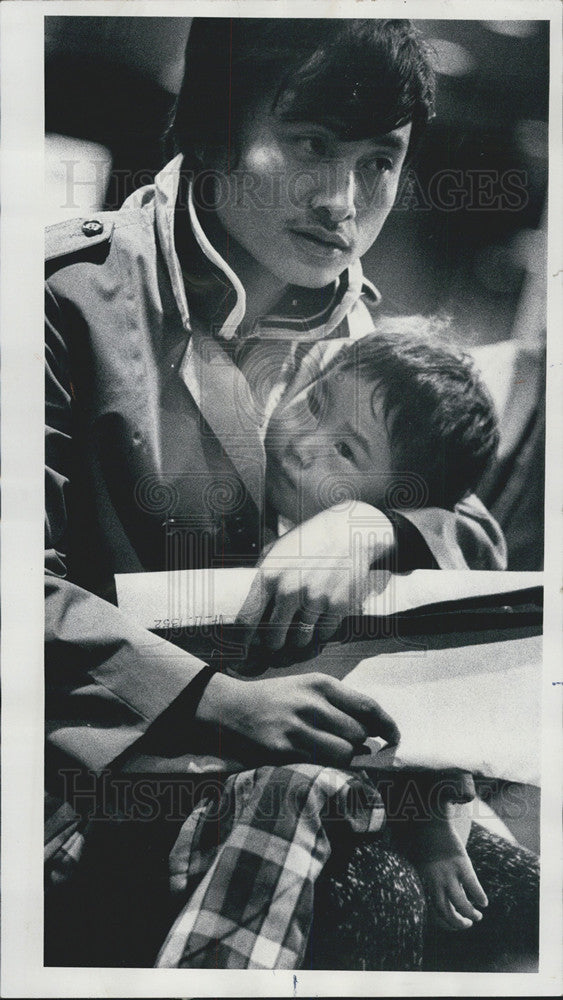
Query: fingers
x=460, y=903
x=440, y=920
x=326, y=627
x=325, y=748
x=444, y=907
x=289, y=622
x=456, y=921
x=279, y=614
x=288, y=718
x=365, y=710
x=326, y=718
x=473, y=888
x=311, y=624
x=274, y=632
x=296, y=621
x=253, y=608
x=304, y=626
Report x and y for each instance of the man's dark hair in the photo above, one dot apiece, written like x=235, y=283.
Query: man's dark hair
x=361, y=78
x=441, y=419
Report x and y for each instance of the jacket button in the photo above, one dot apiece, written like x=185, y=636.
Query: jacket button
x=92, y=228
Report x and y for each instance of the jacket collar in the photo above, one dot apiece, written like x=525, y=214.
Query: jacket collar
x=320, y=325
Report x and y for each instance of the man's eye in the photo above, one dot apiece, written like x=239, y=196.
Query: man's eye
x=312, y=146
x=380, y=164
x=344, y=450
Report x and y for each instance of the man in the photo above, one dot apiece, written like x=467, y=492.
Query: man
x=171, y=327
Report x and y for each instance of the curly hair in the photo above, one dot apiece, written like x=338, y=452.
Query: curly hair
x=362, y=78
x=441, y=419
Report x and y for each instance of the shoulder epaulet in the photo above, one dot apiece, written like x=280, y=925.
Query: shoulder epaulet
x=75, y=235
x=370, y=292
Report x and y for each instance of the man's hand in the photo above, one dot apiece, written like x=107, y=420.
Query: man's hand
x=311, y=718
x=315, y=575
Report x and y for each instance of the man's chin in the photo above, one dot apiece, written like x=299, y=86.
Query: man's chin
x=312, y=277
x=307, y=273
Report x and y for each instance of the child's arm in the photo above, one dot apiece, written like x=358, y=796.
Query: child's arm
x=315, y=575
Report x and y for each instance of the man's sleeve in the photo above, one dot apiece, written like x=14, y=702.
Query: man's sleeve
x=465, y=538
x=107, y=679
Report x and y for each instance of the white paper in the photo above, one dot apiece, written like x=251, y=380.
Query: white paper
x=187, y=598
x=473, y=707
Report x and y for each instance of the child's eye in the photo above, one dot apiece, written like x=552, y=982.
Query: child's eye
x=344, y=450
x=314, y=403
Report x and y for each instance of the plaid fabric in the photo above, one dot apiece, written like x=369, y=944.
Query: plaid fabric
x=246, y=861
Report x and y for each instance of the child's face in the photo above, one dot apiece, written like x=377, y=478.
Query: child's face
x=328, y=445
x=304, y=203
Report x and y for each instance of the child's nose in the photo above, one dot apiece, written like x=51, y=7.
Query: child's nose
x=305, y=450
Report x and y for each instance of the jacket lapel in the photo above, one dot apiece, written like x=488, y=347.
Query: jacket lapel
x=223, y=397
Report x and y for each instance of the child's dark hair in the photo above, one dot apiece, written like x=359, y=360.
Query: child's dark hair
x=362, y=78
x=441, y=419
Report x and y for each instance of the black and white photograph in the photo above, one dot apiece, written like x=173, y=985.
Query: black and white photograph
x=301, y=340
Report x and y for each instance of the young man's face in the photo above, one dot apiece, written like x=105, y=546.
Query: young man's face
x=328, y=445
x=304, y=203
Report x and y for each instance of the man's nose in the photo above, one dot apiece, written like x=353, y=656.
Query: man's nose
x=334, y=200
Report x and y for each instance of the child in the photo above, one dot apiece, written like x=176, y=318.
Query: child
x=397, y=419
x=395, y=416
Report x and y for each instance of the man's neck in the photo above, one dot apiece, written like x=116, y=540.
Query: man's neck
x=265, y=295
x=263, y=289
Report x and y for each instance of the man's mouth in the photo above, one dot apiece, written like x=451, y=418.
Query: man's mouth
x=322, y=238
